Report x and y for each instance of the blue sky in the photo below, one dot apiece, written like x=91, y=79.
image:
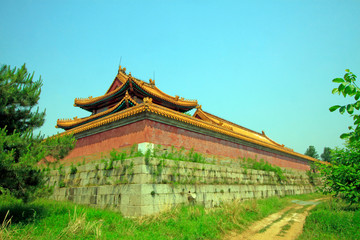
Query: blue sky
x=265, y=65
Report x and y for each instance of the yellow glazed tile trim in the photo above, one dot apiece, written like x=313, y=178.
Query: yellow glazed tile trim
x=106, y=120
x=232, y=126
x=162, y=111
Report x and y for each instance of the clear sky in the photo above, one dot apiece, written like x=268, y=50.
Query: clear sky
x=265, y=65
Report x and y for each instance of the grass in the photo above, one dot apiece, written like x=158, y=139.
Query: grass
x=248, y=163
x=333, y=219
x=45, y=219
x=179, y=155
x=190, y=156
x=286, y=228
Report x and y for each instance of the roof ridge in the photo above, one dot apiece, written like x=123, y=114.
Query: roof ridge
x=150, y=88
x=233, y=123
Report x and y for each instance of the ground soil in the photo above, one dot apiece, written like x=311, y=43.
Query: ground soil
x=285, y=225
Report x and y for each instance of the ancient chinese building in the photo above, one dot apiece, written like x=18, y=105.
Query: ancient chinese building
x=133, y=112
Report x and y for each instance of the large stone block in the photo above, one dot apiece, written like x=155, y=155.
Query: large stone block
x=144, y=192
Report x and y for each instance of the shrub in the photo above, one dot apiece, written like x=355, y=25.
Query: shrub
x=342, y=177
x=73, y=169
x=248, y=163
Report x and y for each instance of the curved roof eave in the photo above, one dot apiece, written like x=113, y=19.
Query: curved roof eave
x=71, y=123
x=87, y=103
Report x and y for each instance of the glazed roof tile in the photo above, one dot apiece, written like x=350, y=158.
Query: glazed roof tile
x=149, y=88
x=234, y=127
x=70, y=123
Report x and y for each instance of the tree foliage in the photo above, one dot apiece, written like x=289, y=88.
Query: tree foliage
x=20, y=149
x=311, y=152
x=326, y=155
x=19, y=94
x=342, y=176
x=18, y=154
x=348, y=88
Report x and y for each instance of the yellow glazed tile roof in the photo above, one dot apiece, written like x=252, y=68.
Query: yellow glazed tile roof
x=226, y=128
x=234, y=127
x=149, y=88
x=68, y=123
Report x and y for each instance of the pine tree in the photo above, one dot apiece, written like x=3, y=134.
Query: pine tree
x=20, y=150
x=19, y=94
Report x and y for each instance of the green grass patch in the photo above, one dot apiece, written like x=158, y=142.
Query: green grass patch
x=248, y=163
x=333, y=219
x=286, y=228
x=45, y=219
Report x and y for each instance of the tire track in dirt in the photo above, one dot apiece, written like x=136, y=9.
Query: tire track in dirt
x=286, y=224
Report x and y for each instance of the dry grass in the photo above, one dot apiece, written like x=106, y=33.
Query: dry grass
x=4, y=232
x=168, y=212
x=78, y=224
x=62, y=220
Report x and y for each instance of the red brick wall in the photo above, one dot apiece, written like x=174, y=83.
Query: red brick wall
x=92, y=146
x=167, y=135
x=159, y=133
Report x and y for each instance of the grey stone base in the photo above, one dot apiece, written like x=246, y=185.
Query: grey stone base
x=136, y=188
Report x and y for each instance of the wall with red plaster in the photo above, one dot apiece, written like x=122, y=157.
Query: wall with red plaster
x=166, y=135
x=93, y=146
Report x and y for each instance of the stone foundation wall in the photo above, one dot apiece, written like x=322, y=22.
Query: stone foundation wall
x=141, y=186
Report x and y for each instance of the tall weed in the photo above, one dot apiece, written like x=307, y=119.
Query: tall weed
x=333, y=219
x=79, y=225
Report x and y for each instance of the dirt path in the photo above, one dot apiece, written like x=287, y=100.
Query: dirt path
x=285, y=225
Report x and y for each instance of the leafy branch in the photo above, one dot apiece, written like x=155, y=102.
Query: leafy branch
x=348, y=87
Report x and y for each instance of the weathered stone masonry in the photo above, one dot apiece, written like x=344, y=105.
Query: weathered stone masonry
x=137, y=188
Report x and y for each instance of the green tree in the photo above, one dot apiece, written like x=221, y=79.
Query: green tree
x=19, y=94
x=20, y=149
x=311, y=152
x=326, y=155
x=342, y=176
x=348, y=87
